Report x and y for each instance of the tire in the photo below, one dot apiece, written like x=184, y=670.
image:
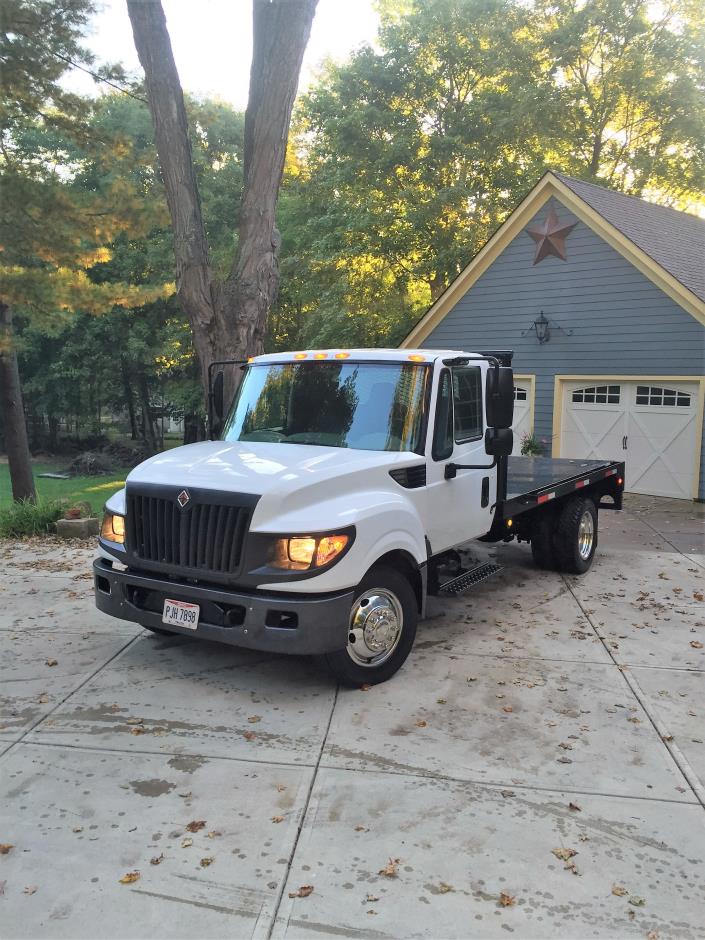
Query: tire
x=390, y=593
x=542, y=547
x=575, y=539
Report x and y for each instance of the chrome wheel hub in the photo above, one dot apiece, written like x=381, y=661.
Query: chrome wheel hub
x=586, y=535
x=375, y=627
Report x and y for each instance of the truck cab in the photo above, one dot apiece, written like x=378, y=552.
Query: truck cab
x=333, y=500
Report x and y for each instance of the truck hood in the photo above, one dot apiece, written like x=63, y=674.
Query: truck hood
x=261, y=468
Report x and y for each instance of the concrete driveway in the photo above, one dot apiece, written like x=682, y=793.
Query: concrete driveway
x=536, y=769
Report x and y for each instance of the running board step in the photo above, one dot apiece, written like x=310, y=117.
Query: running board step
x=469, y=578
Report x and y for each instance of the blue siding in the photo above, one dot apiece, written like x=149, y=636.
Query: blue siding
x=621, y=323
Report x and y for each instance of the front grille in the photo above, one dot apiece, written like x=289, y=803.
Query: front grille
x=204, y=537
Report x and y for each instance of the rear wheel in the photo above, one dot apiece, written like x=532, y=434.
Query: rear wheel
x=542, y=547
x=381, y=631
x=575, y=539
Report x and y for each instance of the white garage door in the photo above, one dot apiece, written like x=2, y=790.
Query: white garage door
x=522, y=411
x=651, y=425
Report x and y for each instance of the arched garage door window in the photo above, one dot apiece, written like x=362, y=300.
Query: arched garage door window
x=597, y=395
x=663, y=397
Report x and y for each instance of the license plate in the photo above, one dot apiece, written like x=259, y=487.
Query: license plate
x=180, y=614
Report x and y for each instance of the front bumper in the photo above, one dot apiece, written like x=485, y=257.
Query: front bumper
x=293, y=623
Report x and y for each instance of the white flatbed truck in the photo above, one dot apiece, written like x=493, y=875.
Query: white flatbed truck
x=333, y=500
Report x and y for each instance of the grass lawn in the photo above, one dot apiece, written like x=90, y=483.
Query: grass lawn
x=94, y=490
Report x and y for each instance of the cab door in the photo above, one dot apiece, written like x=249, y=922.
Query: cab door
x=459, y=509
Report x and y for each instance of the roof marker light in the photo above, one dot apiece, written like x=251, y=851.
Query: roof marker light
x=342, y=355
x=320, y=355
x=300, y=356
x=417, y=358
x=250, y=358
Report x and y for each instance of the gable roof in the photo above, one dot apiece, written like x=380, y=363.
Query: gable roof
x=675, y=240
x=667, y=246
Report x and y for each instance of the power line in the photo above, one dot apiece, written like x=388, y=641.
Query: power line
x=98, y=78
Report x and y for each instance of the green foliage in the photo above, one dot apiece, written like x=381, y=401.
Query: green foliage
x=531, y=446
x=23, y=518
x=94, y=490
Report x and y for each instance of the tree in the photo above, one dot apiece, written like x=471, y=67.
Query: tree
x=227, y=316
x=36, y=39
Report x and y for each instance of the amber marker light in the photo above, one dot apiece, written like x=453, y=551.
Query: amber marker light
x=320, y=356
x=510, y=523
x=250, y=358
x=342, y=355
x=300, y=356
x=417, y=358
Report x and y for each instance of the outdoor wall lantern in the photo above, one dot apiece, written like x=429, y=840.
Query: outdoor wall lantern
x=542, y=327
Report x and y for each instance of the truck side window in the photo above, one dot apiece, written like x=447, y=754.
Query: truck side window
x=443, y=428
x=467, y=400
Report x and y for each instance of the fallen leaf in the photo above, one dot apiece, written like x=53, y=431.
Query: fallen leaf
x=2, y=887
x=208, y=860
x=421, y=724
x=186, y=843
x=212, y=834
x=696, y=644
x=249, y=735
x=619, y=890
x=652, y=935
x=360, y=829
x=564, y=854
x=440, y=701
x=443, y=888
x=636, y=901
x=365, y=687
x=277, y=819
x=43, y=699
x=30, y=889
x=52, y=662
x=185, y=796
x=390, y=869
x=134, y=721
x=584, y=837
x=280, y=788
x=507, y=900
x=371, y=898
x=507, y=793
x=564, y=760
x=137, y=730
x=303, y=892
x=196, y=825
x=77, y=829
x=574, y=806
x=5, y=848
x=566, y=746
x=698, y=596
x=130, y=878
x=253, y=719
x=507, y=708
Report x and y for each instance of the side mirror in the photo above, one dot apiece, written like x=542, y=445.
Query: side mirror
x=217, y=405
x=499, y=397
x=499, y=442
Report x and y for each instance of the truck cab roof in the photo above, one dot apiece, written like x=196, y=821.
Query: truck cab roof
x=363, y=355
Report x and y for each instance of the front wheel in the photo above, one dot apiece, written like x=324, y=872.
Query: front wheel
x=381, y=631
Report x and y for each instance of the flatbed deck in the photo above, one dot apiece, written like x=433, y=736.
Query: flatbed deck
x=532, y=481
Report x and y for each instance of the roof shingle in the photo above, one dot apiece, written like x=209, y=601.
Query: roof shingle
x=675, y=240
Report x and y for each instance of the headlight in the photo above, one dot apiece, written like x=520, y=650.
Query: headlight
x=113, y=528
x=302, y=552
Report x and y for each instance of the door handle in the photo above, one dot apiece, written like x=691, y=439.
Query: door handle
x=626, y=440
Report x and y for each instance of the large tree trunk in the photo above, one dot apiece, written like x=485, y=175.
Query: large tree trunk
x=228, y=320
x=12, y=413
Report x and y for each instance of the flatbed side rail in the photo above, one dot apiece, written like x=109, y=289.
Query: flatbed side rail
x=606, y=480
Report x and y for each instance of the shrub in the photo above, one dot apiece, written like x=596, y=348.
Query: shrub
x=25, y=518
x=531, y=446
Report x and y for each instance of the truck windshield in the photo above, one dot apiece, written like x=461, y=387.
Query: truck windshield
x=361, y=405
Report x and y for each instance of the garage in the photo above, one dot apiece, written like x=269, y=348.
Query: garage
x=652, y=423
x=523, y=409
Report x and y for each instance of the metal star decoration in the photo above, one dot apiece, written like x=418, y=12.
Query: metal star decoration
x=550, y=237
